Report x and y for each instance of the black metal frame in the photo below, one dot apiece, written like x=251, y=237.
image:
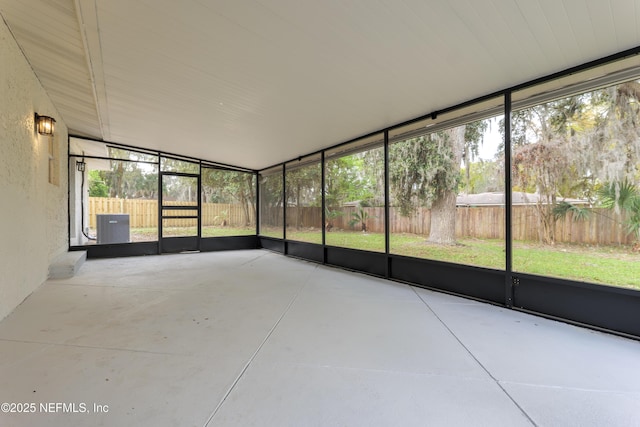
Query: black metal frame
x=386, y=205
x=323, y=190
x=273, y=244
x=116, y=250
x=179, y=244
x=305, y=250
x=607, y=308
x=600, y=307
x=158, y=153
x=508, y=200
x=284, y=201
x=257, y=210
x=282, y=172
x=174, y=244
x=229, y=243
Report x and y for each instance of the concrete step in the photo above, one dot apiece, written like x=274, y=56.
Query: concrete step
x=67, y=264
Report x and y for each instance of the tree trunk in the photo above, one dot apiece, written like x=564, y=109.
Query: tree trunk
x=443, y=208
x=245, y=208
x=298, y=208
x=467, y=169
x=251, y=186
x=443, y=219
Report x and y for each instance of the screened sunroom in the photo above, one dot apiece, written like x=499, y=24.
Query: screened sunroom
x=319, y=213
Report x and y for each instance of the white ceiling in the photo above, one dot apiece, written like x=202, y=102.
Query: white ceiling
x=256, y=82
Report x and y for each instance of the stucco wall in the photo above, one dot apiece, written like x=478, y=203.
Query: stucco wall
x=33, y=212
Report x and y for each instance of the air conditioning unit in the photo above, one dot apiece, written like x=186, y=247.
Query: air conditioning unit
x=112, y=228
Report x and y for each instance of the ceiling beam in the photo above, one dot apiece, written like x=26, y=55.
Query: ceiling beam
x=87, y=13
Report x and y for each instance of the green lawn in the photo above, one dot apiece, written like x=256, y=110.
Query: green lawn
x=314, y=236
x=346, y=239
x=610, y=265
x=271, y=232
x=213, y=231
x=151, y=234
x=481, y=253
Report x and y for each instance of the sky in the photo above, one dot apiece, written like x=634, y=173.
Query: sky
x=491, y=140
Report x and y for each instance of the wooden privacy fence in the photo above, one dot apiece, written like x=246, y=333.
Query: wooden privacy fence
x=603, y=227
x=144, y=213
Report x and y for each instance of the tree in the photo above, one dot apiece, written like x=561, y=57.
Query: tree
x=303, y=186
x=443, y=206
x=546, y=158
x=330, y=215
x=567, y=147
x=616, y=138
x=353, y=178
x=623, y=197
x=126, y=180
x=350, y=179
x=425, y=171
x=540, y=167
x=473, y=135
x=97, y=187
x=484, y=176
x=271, y=198
x=360, y=217
x=227, y=186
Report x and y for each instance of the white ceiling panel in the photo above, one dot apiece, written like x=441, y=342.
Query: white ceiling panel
x=49, y=35
x=625, y=15
x=257, y=82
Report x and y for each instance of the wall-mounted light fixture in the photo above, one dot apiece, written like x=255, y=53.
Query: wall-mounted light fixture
x=45, y=124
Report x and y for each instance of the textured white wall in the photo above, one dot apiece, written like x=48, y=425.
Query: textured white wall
x=33, y=212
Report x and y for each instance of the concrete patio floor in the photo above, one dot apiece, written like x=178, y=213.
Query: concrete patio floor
x=253, y=338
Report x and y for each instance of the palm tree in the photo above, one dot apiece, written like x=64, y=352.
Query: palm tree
x=623, y=196
x=361, y=216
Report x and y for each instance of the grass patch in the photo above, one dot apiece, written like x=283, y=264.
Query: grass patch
x=309, y=236
x=477, y=252
x=274, y=232
x=151, y=234
x=607, y=265
x=214, y=231
x=356, y=240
